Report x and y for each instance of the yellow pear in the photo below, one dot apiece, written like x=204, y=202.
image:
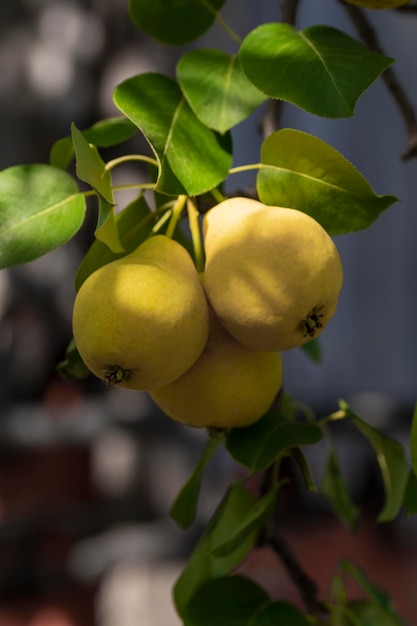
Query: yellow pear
x=229, y=386
x=273, y=275
x=141, y=321
x=378, y=4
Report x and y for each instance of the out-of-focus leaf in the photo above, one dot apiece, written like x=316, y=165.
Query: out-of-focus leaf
x=260, y=444
x=226, y=601
x=192, y=158
x=313, y=350
x=275, y=613
x=174, y=23
x=184, y=508
x=303, y=172
x=334, y=487
x=216, y=88
x=392, y=463
x=410, y=495
x=203, y=565
x=320, y=69
x=40, y=209
x=72, y=366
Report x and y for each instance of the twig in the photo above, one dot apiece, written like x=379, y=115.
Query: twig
x=306, y=586
x=369, y=37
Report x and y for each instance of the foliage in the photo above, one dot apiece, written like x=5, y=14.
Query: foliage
x=187, y=122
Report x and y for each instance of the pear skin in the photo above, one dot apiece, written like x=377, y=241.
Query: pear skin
x=273, y=275
x=141, y=321
x=229, y=386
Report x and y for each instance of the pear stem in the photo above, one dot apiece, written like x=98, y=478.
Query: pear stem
x=217, y=195
x=193, y=216
x=176, y=215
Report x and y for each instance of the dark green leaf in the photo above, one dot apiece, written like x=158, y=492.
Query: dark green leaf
x=313, y=350
x=72, y=366
x=410, y=495
x=184, y=509
x=260, y=444
x=253, y=521
x=392, y=462
x=227, y=601
x=174, y=21
x=335, y=489
x=303, y=172
x=203, y=564
x=134, y=224
x=40, y=209
x=192, y=158
x=276, y=613
x=217, y=89
x=362, y=613
x=320, y=69
x=413, y=441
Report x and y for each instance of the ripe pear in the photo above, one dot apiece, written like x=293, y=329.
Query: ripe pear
x=229, y=386
x=378, y=4
x=141, y=321
x=272, y=275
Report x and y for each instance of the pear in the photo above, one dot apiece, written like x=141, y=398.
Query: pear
x=141, y=321
x=229, y=386
x=272, y=275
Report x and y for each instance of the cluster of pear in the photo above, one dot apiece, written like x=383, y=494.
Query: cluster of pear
x=208, y=348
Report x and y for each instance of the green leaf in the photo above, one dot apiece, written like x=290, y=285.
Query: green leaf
x=40, y=209
x=203, y=565
x=217, y=89
x=410, y=495
x=91, y=169
x=303, y=172
x=184, y=509
x=174, y=21
x=260, y=444
x=103, y=134
x=275, y=613
x=313, y=350
x=134, y=224
x=320, y=69
x=192, y=158
x=227, y=601
x=334, y=487
x=72, y=366
x=361, y=613
x=254, y=520
x=392, y=462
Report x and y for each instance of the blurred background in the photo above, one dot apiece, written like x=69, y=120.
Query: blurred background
x=87, y=474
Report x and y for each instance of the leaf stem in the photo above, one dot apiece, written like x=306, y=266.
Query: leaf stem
x=217, y=195
x=176, y=215
x=193, y=216
x=246, y=168
x=130, y=157
x=222, y=22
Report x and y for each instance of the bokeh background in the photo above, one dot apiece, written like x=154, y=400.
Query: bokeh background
x=87, y=474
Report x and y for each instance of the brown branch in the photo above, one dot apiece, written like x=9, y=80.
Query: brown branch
x=306, y=586
x=369, y=37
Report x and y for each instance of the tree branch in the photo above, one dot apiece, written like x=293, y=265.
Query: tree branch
x=369, y=37
x=306, y=586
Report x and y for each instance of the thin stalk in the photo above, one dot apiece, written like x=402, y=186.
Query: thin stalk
x=217, y=195
x=219, y=19
x=193, y=216
x=176, y=215
x=130, y=157
x=162, y=221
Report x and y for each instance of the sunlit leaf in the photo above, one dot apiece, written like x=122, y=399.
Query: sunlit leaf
x=217, y=88
x=392, y=462
x=40, y=209
x=184, y=508
x=192, y=158
x=260, y=444
x=174, y=21
x=134, y=224
x=320, y=69
x=303, y=172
